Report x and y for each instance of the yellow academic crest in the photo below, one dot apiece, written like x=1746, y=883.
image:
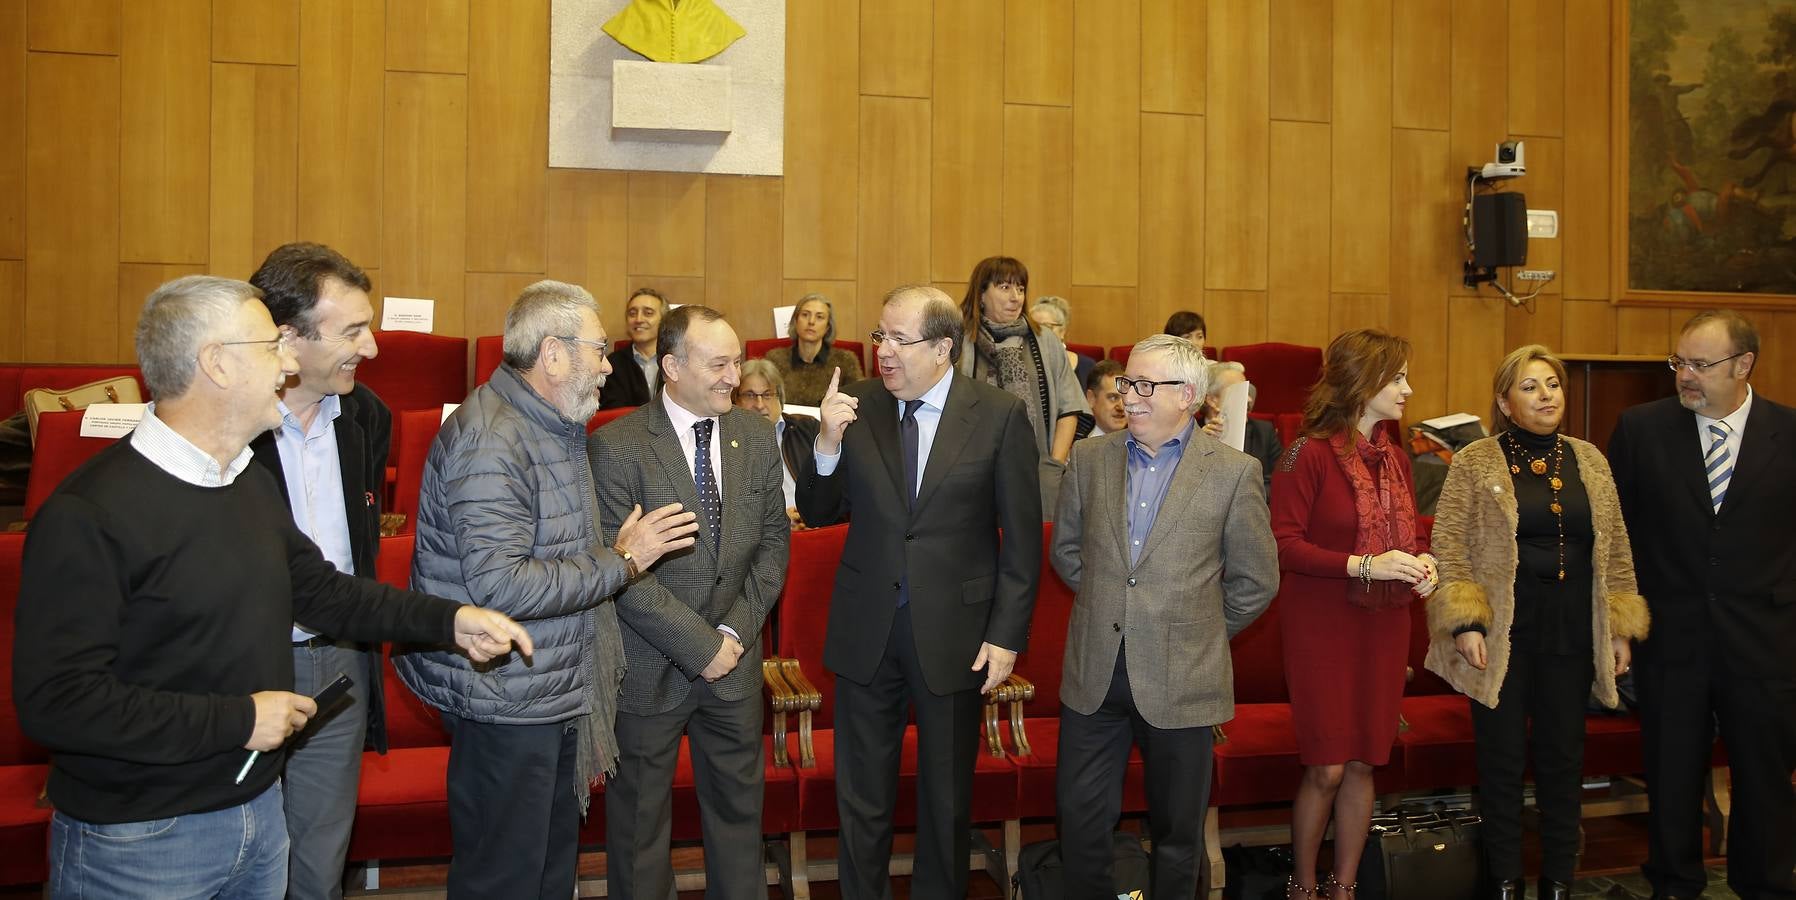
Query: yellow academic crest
x=677, y=31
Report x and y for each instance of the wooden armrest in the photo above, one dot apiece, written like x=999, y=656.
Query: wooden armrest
x=808, y=699
x=994, y=742
x=1021, y=691
x=780, y=700
x=1218, y=737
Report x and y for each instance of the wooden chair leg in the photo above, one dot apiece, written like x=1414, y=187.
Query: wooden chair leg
x=1213, y=848
x=795, y=875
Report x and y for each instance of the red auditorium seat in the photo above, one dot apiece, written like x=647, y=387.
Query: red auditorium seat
x=24, y=766
x=417, y=371
x=59, y=451
x=489, y=351
x=1283, y=373
x=606, y=416
x=1090, y=351
x=414, y=430
x=759, y=347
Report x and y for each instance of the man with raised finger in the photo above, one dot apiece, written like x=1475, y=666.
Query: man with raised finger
x=930, y=608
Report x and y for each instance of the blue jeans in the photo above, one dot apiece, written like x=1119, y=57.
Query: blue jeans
x=239, y=853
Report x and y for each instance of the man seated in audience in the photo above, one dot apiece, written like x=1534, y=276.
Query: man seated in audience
x=161, y=582
x=1106, y=402
x=763, y=391
x=1260, y=439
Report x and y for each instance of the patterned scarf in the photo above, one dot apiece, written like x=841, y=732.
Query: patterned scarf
x=1013, y=362
x=1384, y=508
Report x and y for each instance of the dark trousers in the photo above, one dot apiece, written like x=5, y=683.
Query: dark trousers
x=725, y=741
x=513, y=816
x=1540, y=709
x=870, y=722
x=1680, y=702
x=1093, y=757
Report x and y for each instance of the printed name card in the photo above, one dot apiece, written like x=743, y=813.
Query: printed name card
x=407, y=314
x=782, y=320
x=111, y=420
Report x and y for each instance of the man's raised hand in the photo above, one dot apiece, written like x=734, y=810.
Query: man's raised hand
x=838, y=411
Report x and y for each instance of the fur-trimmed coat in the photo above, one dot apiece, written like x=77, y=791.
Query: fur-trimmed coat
x=1474, y=543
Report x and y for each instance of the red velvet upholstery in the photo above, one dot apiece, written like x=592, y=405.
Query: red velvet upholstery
x=1090, y=351
x=59, y=451
x=417, y=371
x=804, y=608
x=1120, y=353
x=15, y=748
x=489, y=351
x=606, y=416
x=17, y=378
x=1286, y=424
x=12, y=399
x=1283, y=373
x=758, y=348
x=24, y=826
x=414, y=430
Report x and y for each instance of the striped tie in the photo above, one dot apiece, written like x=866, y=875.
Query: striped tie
x=1718, y=464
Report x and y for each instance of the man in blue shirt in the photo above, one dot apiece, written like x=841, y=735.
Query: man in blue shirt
x=329, y=457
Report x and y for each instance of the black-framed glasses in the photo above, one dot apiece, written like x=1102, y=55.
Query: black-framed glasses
x=1697, y=368
x=880, y=337
x=1142, y=388
x=601, y=346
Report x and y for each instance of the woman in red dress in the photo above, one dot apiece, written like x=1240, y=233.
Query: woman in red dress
x=1344, y=513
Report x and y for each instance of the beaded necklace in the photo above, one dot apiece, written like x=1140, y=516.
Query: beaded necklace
x=1538, y=466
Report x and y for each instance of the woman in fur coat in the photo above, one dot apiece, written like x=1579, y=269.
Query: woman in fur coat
x=1535, y=611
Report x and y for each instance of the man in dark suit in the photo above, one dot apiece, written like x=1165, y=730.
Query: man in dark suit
x=929, y=608
x=692, y=626
x=329, y=457
x=1707, y=490
x=634, y=375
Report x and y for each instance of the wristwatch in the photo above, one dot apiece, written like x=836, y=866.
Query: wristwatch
x=629, y=561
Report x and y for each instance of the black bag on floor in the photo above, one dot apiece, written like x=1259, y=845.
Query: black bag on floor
x=1417, y=853
x=1038, y=870
x=1256, y=873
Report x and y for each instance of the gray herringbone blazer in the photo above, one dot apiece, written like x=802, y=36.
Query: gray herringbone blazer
x=670, y=614
x=1209, y=567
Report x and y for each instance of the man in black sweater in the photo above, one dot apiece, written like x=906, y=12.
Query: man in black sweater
x=160, y=585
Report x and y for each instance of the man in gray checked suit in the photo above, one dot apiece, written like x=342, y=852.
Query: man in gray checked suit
x=692, y=626
x=1164, y=533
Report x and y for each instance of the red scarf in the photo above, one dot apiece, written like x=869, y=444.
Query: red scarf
x=1385, y=510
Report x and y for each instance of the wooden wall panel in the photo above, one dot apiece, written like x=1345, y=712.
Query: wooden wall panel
x=1480, y=77
x=1587, y=326
x=165, y=103
x=255, y=122
x=1037, y=212
x=1235, y=317
x=588, y=236
x=1038, y=52
x=424, y=234
x=1172, y=218
x=12, y=309
x=342, y=54
x=1545, y=188
x=1360, y=254
x=676, y=288
x=822, y=134
x=135, y=282
x=1584, y=230
x=1236, y=152
x=667, y=223
x=71, y=203
x=1425, y=249
x=1302, y=38
x=1350, y=311
x=742, y=245
x=1537, y=67
x=487, y=296
x=1297, y=303
x=428, y=36
x=252, y=31
x=895, y=38
x=1540, y=321
x=1174, y=38
x=74, y=26
x=508, y=134
x=1474, y=347
x=1093, y=319
x=12, y=135
x=1421, y=60
x=1107, y=143
x=1647, y=330
x=851, y=323
x=894, y=198
x=967, y=112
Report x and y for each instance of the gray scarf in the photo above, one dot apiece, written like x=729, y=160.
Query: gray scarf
x=1013, y=362
x=596, y=732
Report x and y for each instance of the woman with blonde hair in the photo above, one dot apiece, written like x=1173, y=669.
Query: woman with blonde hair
x=1535, y=612
x=1344, y=514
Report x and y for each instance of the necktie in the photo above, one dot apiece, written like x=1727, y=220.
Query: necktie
x=907, y=434
x=1718, y=464
x=710, y=501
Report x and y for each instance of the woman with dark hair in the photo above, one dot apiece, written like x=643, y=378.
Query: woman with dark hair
x=1344, y=514
x=1011, y=353
x=1536, y=608
x=635, y=372
x=1188, y=325
x=808, y=364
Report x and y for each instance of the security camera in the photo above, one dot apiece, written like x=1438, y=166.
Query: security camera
x=1508, y=165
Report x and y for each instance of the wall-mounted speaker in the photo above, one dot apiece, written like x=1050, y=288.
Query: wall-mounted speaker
x=1500, y=228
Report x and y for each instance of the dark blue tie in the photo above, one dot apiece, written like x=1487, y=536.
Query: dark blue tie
x=907, y=439
x=710, y=502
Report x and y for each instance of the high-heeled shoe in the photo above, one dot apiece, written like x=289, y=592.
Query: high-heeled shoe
x=1351, y=891
x=1295, y=891
x=1513, y=889
x=1548, y=889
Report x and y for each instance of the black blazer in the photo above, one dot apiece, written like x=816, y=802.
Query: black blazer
x=626, y=385
x=364, y=433
x=1261, y=442
x=1722, y=583
x=965, y=587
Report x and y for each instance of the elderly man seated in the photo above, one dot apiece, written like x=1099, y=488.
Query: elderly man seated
x=1260, y=438
x=763, y=391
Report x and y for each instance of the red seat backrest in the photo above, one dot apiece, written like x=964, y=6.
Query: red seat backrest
x=410, y=723
x=414, y=432
x=1283, y=373
x=60, y=450
x=759, y=348
x=606, y=416
x=1258, y=657
x=15, y=747
x=1047, y=635
x=417, y=371
x=1091, y=351
x=489, y=351
x=804, y=607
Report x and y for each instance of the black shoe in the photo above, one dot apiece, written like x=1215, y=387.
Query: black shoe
x=1514, y=889
x=1554, y=890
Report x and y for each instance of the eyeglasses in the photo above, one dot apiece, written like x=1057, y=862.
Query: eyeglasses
x=880, y=337
x=762, y=396
x=1142, y=388
x=1697, y=368
x=276, y=344
x=600, y=346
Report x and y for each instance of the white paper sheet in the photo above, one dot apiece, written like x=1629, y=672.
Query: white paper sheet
x=1234, y=415
x=407, y=314
x=782, y=320
x=111, y=420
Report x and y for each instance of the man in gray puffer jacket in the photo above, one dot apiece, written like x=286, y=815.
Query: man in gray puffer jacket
x=507, y=521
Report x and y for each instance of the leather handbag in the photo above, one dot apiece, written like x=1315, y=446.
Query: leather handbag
x=122, y=389
x=1416, y=853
